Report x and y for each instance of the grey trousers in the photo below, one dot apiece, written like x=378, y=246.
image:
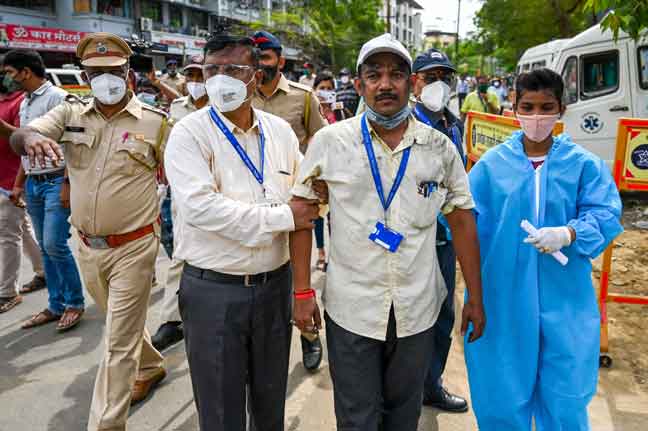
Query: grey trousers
x=377, y=384
x=237, y=337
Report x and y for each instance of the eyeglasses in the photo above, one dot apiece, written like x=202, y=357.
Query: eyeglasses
x=432, y=76
x=121, y=73
x=237, y=71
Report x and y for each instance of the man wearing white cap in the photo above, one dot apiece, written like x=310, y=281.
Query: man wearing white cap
x=388, y=177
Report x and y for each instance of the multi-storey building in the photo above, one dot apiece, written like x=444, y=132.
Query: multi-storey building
x=403, y=20
x=176, y=28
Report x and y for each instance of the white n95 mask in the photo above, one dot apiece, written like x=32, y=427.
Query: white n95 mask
x=226, y=93
x=108, y=89
x=435, y=96
x=196, y=90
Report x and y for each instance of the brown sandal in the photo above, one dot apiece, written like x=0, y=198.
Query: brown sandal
x=65, y=322
x=37, y=283
x=7, y=304
x=41, y=318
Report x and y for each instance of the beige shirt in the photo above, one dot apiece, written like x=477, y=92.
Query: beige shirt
x=224, y=222
x=289, y=102
x=177, y=82
x=363, y=279
x=180, y=108
x=112, y=164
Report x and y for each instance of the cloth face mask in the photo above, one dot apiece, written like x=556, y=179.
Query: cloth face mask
x=537, y=127
x=436, y=96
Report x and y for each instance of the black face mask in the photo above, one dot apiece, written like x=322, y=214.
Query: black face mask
x=269, y=73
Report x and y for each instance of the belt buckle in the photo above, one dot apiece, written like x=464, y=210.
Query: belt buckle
x=246, y=281
x=99, y=242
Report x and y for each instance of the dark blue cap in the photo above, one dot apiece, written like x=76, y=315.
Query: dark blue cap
x=266, y=40
x=432, y=59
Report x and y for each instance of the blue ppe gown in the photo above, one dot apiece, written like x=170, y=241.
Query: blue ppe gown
x=538, y=357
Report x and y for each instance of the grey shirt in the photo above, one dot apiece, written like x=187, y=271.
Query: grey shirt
x=33, y=106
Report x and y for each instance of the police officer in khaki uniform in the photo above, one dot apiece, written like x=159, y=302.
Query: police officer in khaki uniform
x=299, y=106
x=172, y=78
x=295, y=103
x=170, y=332
x=113, y=145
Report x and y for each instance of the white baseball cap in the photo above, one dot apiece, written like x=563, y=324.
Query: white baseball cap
x=383, y=43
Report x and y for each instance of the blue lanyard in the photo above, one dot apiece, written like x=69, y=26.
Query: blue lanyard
x=375, y=172
x=241, y=152
x=424, y=119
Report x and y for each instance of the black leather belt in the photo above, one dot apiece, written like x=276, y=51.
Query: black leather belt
x=47, y=177
x=248, y=280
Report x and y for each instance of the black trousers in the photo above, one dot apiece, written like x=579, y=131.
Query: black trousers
x=377, y=383
x=237, y=337
x=442, y=329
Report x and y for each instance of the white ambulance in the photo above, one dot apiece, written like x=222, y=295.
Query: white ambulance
x=540, y=56
x=604, y=81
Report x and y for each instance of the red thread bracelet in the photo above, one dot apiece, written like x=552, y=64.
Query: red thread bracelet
x=305, y=294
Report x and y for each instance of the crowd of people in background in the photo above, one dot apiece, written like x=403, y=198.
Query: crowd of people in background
x=231, y=167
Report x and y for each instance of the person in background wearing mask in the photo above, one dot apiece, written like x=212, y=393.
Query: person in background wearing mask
x=538, y=361
x=346, y=93
x=300, y=107
x=231, y=168
x=153, y=91
x=463, y=88
x=434, y=74
x=170, y=332
x=480, y=100
x=47, y=194
x=383, y=294
x=16, y=232
x=499, y=88
x=113, y=145
x=172, y=78
x=309, y=75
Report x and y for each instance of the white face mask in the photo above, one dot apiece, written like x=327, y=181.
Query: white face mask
x=196, y=90
x=226, y=93
x=344, y=79
x=435, y=96
x=108, y=89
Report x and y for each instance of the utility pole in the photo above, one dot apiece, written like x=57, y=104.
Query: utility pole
x=456, y=59
x=388, y=16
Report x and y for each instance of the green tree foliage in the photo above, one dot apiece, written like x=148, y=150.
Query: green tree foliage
x=509, y=27
x=630, y=16
x=329, y=31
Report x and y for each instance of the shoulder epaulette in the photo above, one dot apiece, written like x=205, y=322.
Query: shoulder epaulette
x=73, y=98
x=152, y=109
x=300, y=86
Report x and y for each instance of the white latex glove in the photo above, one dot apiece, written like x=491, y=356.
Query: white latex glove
x=550, y=239
x=161, y=193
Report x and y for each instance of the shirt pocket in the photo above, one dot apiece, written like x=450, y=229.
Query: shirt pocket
x=279, y=185
x=78, y=149
x=136, y=154
x=423, y=207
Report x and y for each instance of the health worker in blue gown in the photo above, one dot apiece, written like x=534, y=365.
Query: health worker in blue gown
x=538, y=358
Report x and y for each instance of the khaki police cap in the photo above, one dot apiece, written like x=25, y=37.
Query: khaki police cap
x=103, y=50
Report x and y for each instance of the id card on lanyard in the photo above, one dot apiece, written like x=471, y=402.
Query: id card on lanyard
x=382, y=235
x=256, y=173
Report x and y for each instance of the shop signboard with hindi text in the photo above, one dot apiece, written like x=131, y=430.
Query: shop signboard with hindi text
x=484, y=131
x=14, y=36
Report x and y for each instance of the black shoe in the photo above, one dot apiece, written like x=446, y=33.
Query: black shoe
x=312, y=353
x=167, y=335
x=447, y=402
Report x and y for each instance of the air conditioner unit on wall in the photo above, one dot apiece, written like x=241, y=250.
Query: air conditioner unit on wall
x=146, y=24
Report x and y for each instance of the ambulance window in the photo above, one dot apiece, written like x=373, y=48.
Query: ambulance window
x=538, y=65
x=570, y=78
x=600, y=74
x=68, y=79
x=642, y=56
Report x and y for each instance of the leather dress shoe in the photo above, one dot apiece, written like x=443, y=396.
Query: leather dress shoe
x=446, y=401
x=143, y=388
x=167, y=335
x=312, y=353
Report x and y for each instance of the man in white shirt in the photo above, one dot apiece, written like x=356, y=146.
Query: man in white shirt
x=384, y=288
x=231, y=169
